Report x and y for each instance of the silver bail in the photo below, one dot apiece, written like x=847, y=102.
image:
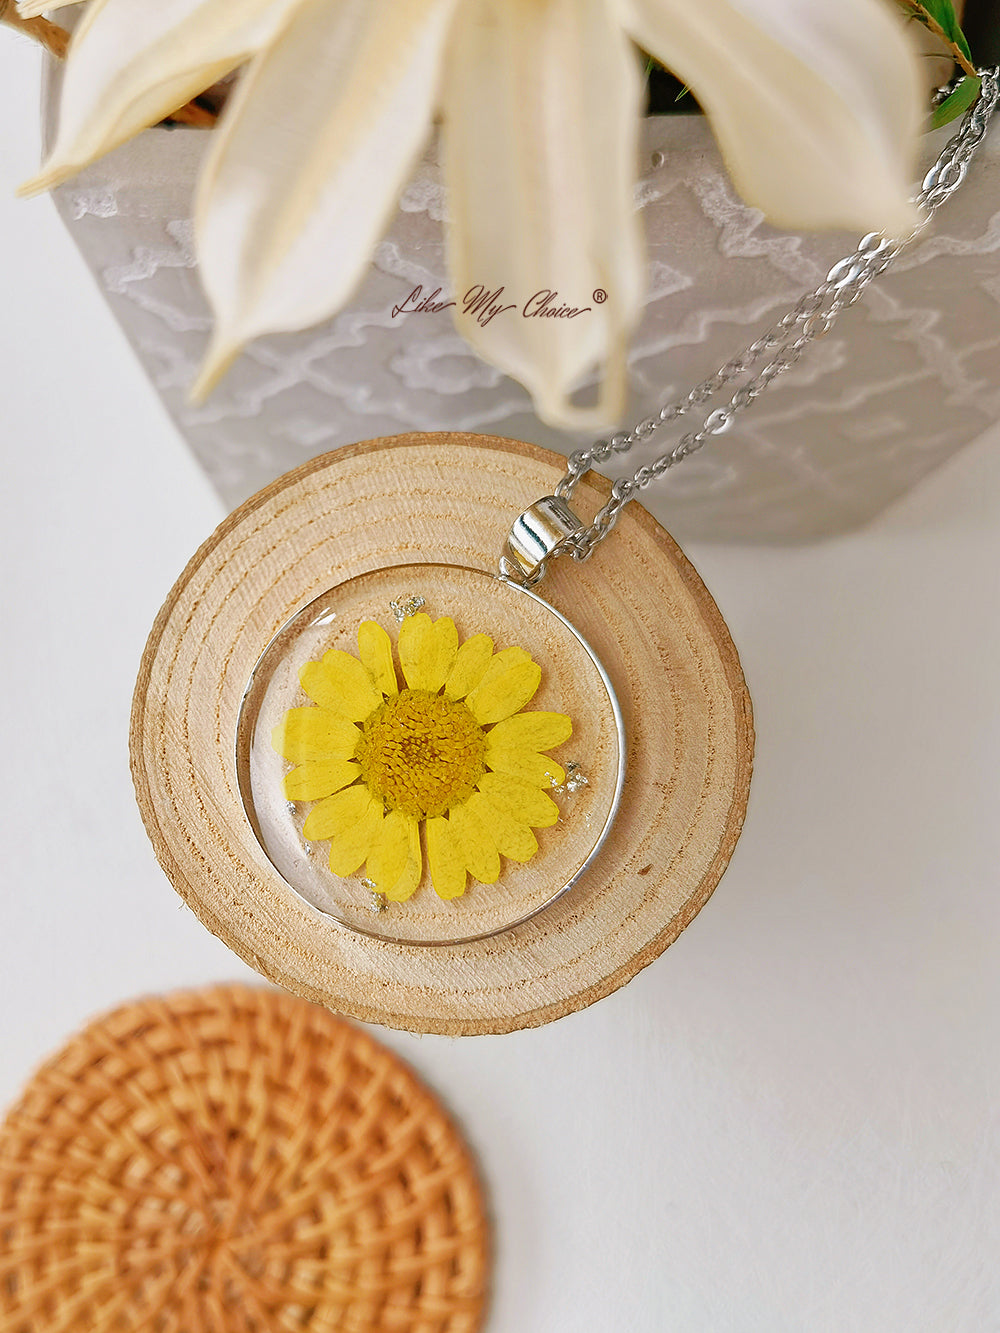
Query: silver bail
x=534, y=536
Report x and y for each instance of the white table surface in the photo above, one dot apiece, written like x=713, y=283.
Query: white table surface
x=789, y=1122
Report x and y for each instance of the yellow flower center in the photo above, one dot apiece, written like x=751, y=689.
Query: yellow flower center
x=422, y=753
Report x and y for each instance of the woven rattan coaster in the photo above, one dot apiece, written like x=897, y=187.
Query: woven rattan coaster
x=235, y=1161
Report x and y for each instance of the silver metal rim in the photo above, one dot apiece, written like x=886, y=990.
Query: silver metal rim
x=241, y=757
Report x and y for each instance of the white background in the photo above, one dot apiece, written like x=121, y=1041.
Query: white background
x=789, y=1121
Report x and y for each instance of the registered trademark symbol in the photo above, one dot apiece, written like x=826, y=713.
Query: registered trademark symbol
x=600, y=295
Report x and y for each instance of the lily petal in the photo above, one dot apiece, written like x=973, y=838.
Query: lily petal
x=304, y=173
x=132, y=62
x=817, y=108
x=542, y=106
x=31, y=9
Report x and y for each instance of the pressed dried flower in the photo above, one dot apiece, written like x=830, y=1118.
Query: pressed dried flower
x=452, y=752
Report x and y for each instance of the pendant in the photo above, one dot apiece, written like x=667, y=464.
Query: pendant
x=333, y=558
x=394, y=759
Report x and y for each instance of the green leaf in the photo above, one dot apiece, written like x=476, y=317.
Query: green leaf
x=943, y=14
x=957, y=102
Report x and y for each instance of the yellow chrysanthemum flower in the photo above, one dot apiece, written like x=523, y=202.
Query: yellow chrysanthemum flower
x=451, y=750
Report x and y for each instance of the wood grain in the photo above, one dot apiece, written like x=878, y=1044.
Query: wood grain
x=445, y=497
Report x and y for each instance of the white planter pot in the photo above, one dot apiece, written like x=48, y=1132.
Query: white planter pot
x=906, y=379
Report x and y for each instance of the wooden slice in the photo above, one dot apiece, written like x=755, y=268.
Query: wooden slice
x=446, y=498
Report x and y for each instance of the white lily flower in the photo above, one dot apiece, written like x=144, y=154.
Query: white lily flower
x=817, y=109
x=32, y=9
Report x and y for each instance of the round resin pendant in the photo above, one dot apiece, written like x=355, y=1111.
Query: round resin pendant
x=430, y=754
x=334, y=559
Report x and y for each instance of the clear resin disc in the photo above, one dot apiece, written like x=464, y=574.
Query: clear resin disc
x=442, y=777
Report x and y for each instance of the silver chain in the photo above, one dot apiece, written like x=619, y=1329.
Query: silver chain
x=782, y=345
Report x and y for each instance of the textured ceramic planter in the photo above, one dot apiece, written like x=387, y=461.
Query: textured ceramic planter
x=906, y=379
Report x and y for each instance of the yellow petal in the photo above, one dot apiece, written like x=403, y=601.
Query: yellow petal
x=511, y=679
x=502, y=661
x=342, y=810
x=375, y=651
x=414, y=868
x=318, y=778
x=350, y=847
x=314, y=733
x=445, y=858
x=521, y=800
x=511, y=837
x=531, y=731
x=477, y=846
x=470, y=665
x=353, y=819
x=427, y=650
x=341, y=684
x=352, y=684
x=395, y=863
x=538, y=769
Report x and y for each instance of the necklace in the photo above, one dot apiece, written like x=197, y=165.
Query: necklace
x=553, y=530
x=433, y=754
